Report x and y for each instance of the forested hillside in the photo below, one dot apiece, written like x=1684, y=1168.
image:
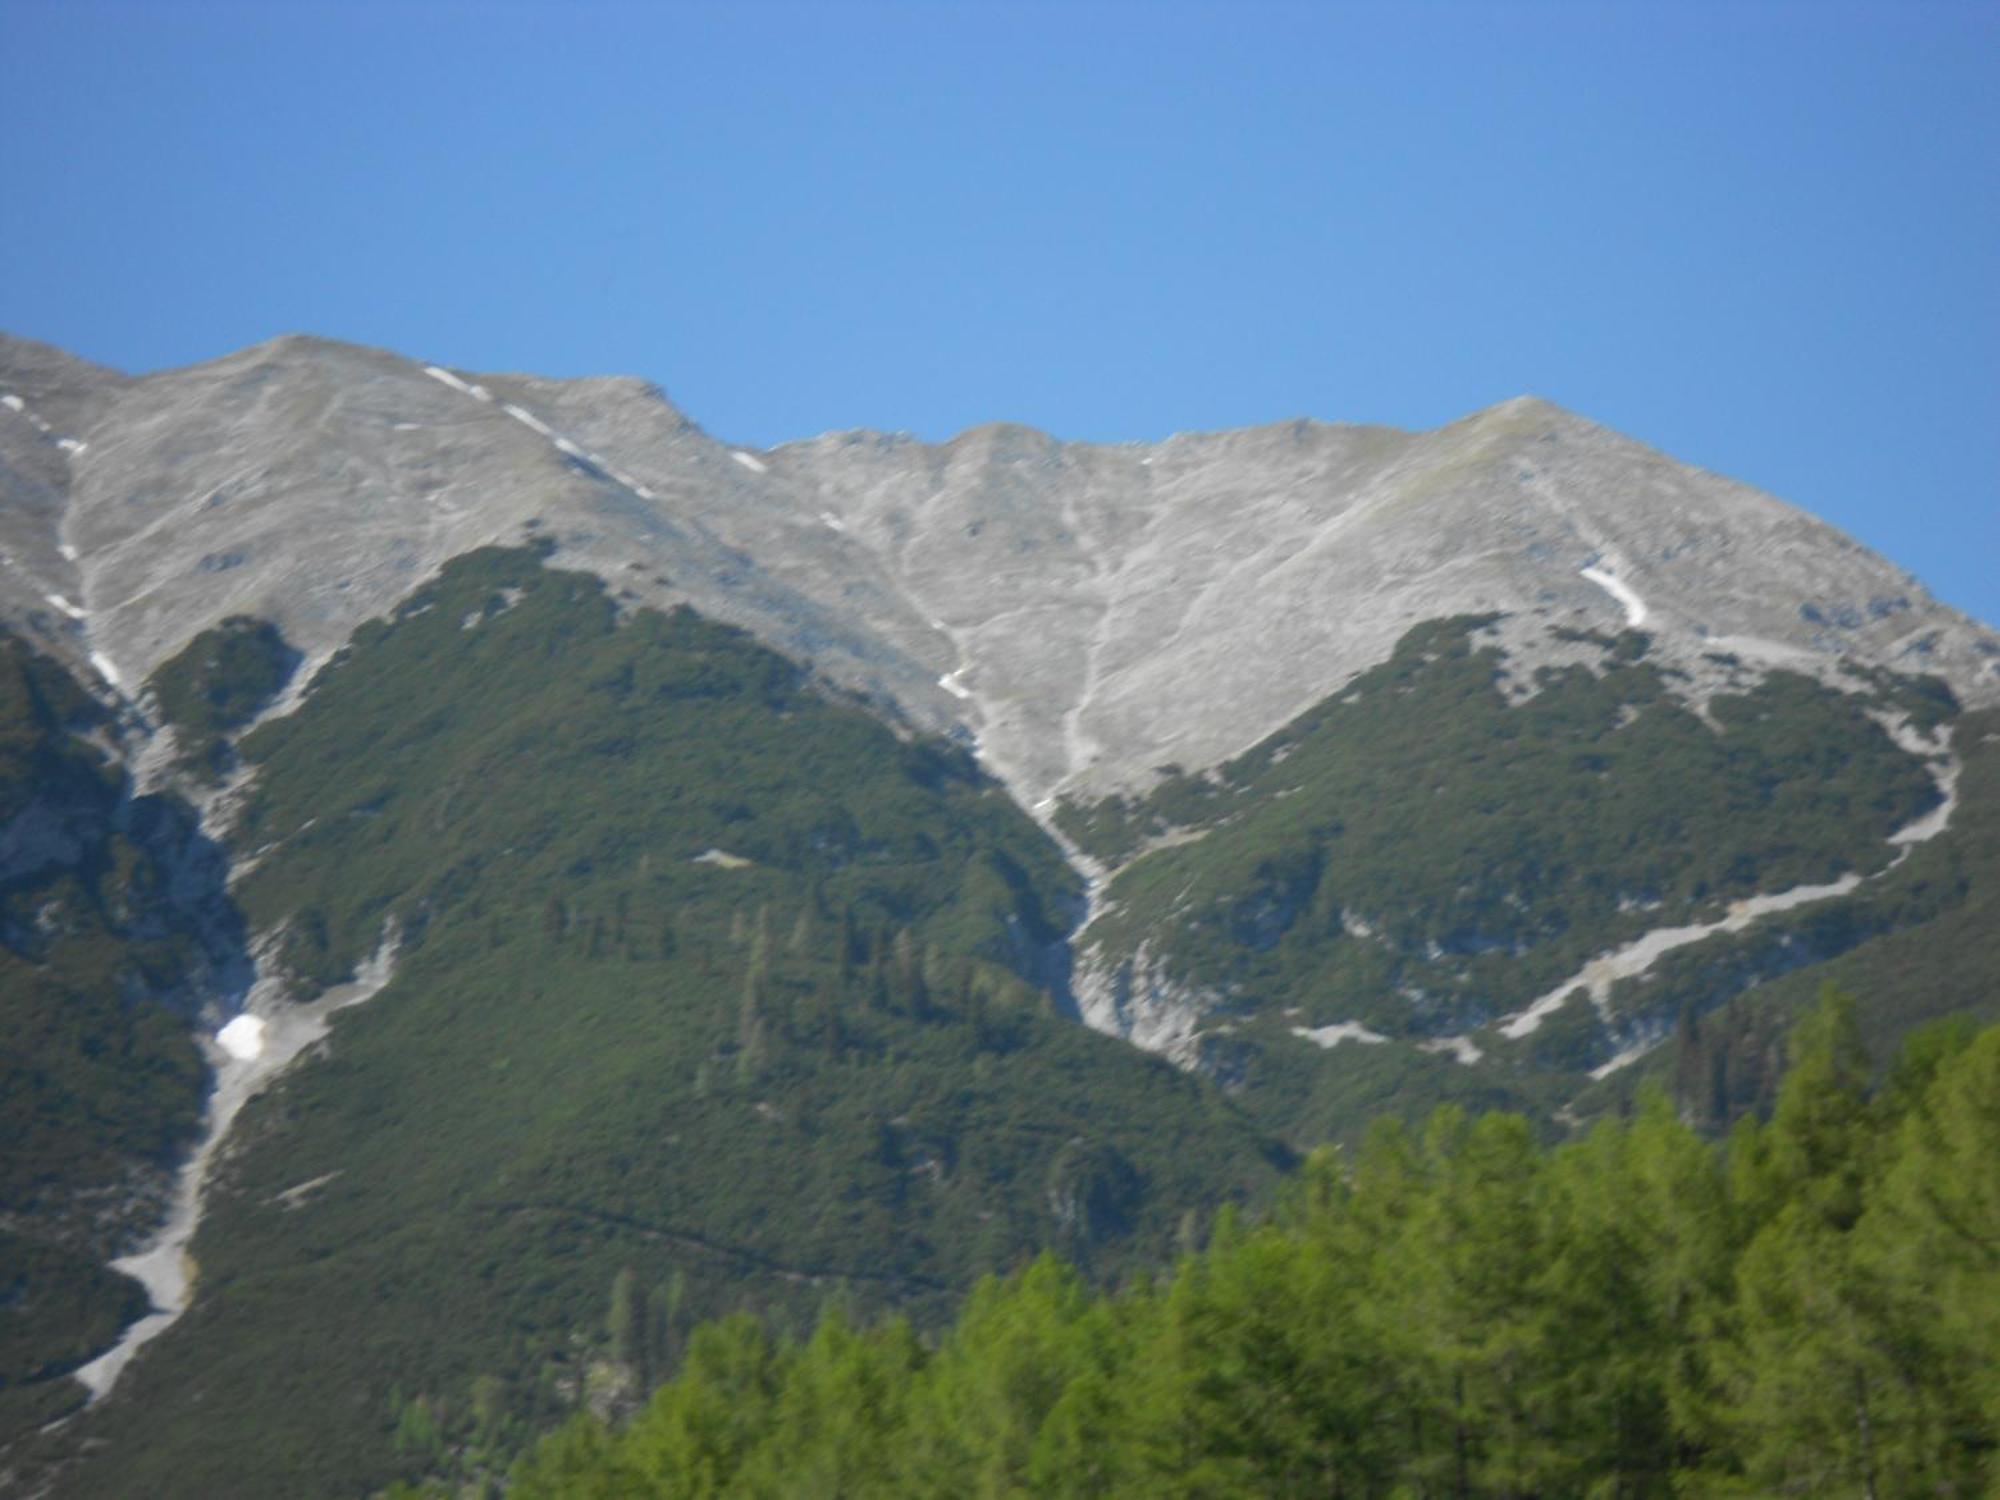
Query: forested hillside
x=1811, y=1308
x=710, y=992
x=113, y=930
x=1353, y=914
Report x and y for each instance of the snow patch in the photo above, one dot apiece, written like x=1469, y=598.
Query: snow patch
x=950, y=683
x=242, y=1038
x=1460, y=1047
x=106, y=670
x=1931, y=824
x=1617, y=588
x=1629, y=962
x=832, y=522
x=66, y=607
x=1341, y=1031
x=14, y=403
x=1635, y=958
x=68, y=552
x=438, y=372
x=284, y=1030
x=749, y=461
x=71, y=446
x=722, y=859
x=528, y=420
x=1624, y=1059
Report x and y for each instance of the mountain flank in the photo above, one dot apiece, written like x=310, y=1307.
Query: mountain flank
x=493, y=877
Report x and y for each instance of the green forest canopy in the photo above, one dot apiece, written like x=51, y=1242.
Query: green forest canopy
x=1812, y=1308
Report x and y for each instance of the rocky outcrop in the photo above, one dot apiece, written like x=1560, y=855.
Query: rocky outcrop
x=1085, y=612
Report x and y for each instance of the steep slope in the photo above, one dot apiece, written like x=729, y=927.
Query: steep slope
x=1429, y=887
x=1088, y=612
x=701, y=979
x=720, y=959
x=1922, y=943
x=115, y=934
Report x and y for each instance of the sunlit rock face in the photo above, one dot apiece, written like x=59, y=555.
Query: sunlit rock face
x=1086, y=612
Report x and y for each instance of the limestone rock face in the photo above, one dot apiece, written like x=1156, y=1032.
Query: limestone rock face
x=1087, y=612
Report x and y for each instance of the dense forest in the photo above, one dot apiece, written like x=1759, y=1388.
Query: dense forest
x=723, y=1099
x=1811, y=1307
x=702, y=973
x=1446, y=839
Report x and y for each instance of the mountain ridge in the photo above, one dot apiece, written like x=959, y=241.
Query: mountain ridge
x=1041, y=598
x=1364, y=770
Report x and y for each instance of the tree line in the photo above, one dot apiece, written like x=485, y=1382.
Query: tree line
x=1809, y=1307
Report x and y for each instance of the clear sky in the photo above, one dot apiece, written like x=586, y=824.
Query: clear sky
x=1765, y=237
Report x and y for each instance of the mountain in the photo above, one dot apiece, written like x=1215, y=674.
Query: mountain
x=604, y=868
x=1090, y=612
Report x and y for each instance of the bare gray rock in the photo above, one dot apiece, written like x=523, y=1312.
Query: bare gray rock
x=1088, y=612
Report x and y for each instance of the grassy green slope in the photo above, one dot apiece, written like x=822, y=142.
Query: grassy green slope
x=810, y=1070
x=1421, y=855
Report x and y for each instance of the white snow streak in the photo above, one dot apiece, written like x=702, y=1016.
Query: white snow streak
x=1931, y=824
x=1630, y=1055
x=1340, y=1031
x=66, y=607
x=542, y=429
x=251, y=1058
x=754, y=464
x=833, y=522
x=1598, y=976
x=529, y=420
x=438, y=372
x=1617, y=588
x=106, y=670
x=16, y=405
x=1460, y=1047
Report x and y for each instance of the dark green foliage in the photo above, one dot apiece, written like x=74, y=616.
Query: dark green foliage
x=1420, y=855
x=58, y=1309
x=710, y=995
x=219, y=682
x=110, y=905
x=1922, y=943
x=1813, y=1311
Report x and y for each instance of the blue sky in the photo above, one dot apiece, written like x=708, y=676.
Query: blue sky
x=1765, y=237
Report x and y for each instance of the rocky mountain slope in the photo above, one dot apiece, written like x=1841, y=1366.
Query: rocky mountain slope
x=1089, y=612
x=727, y=842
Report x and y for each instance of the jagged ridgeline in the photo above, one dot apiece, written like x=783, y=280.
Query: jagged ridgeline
x=113, y=926
x=711, y=991
x=1358, y=912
